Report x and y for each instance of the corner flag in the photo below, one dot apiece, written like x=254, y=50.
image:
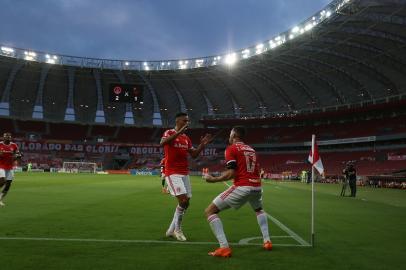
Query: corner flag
x=314, y=157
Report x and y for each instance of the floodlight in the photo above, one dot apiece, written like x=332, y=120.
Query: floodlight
x=245, y=53
x=7, y=50
x=308, y=26
x=295, y=29
x=230, y=59
x=259, y=48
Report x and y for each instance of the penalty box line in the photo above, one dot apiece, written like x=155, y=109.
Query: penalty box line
x=284, y=228
x=133, y=241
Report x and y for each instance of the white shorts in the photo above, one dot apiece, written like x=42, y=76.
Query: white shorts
x=179, y=184
x=236, y=197
x=7, y=174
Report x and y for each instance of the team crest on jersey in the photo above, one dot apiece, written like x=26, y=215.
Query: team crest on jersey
x=178, y=189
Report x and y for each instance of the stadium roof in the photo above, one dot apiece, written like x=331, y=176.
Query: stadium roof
x=351, y=51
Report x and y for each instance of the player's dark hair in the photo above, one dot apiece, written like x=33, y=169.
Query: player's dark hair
x=240, y=131
x=180, y=114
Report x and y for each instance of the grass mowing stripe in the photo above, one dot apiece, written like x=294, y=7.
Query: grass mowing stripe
x=132, y=241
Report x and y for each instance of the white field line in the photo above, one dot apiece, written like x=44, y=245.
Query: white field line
x=299, y=239
x=132, y=241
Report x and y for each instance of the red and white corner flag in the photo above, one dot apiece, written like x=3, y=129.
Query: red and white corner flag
x=314, y=157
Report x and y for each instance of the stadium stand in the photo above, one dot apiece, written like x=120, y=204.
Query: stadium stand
x=344, y=82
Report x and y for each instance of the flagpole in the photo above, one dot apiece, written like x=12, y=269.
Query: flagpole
x=312, y=219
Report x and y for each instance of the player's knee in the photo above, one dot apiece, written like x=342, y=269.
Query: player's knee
x=258, y=210
x=210, y=210
x=184, y=203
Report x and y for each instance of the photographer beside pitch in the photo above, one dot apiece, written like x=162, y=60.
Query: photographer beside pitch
x=9, y=153
x=350, y=175
x=177, y=145
x=242, y=166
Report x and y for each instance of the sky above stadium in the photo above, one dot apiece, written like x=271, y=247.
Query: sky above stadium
x=147, y=29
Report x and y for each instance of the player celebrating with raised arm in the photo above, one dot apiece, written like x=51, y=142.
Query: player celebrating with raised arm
x=241, y=164
x=8, y=154
x=177, y=146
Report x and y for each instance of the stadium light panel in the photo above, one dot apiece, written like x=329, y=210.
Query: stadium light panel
x=199, y=62
x=259, y=48
x=182, y=64
x=328, y=14
x=230, y=59
x=295, y=29
x=126, y=63
x=29, y=58
x=308, y=27
x=245, y=53
x=7, y=50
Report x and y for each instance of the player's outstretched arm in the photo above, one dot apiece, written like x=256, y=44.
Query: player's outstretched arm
x=173, y=136
x=194, y=152
x=225, y=175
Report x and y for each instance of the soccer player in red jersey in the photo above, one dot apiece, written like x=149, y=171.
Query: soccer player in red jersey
x=8, y=154
x=177, y=147
x=242, y=166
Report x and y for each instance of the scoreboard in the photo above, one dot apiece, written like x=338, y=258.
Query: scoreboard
x=127, y=93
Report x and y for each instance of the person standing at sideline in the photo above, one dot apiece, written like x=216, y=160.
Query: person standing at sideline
x=351, y=175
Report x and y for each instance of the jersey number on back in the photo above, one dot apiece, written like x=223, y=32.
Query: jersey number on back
x=250, y=160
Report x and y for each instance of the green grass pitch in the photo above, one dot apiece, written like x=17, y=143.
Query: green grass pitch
x=82, y=221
